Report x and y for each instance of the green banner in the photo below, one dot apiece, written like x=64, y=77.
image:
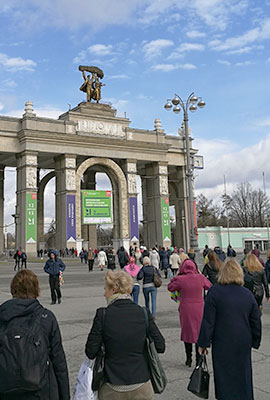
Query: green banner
x=165, y=218
x=31, y=218
x=96, y=206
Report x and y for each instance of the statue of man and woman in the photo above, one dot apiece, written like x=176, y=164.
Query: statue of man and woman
x=92, y=86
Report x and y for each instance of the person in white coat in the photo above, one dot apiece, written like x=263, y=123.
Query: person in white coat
x=175, y=262
x=102, y=259
x=154, y=258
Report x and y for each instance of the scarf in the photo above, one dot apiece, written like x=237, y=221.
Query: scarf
x=132, y=269
x=118, y=296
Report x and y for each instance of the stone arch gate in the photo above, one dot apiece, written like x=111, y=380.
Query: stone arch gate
x=87, y=139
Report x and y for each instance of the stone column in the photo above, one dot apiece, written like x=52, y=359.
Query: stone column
x=156, y=204
x=178, y=197
x=2, y=177
x=65, y=172
x=26, y=207
x=40, y=207
x=89, y=231
x=131, y=175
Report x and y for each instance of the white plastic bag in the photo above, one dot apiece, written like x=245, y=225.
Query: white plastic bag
x=83, y=390
x=170, y=273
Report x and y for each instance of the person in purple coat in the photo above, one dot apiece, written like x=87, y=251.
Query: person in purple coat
x=190, y=283
x=232, y=326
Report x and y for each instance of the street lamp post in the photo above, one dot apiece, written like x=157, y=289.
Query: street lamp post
x=191, y=104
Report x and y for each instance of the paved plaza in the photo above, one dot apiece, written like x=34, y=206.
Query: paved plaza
x=83, y=293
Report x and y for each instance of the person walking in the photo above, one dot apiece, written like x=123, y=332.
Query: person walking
x=85, y=256
x=138, y=255
x=122, y=257
x=154, y=258
x=267, y=266
x=17, y=258
x=102, y=259
x=231, y=325
x=220, y=253
x=175, y=262
x=53, y=267
x=23, y=259
x=122, y=328
x=147, y=273
x=111, y=259
x=190, y=284
x=164, y=261
x=133, y=269
x=90, y=257
x=255, y=270
x=81, y=255
x=23, y=313
x=210, y=270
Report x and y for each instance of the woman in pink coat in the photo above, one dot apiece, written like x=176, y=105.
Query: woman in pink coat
x=190, y=283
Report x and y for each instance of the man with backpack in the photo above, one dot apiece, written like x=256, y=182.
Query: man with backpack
x=32, y=360
x=53, y=267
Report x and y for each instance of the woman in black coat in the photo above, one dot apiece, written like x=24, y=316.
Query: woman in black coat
x=256, y=272
x=122, y=328
x=211, y=269
x=232, y=326
x=18, y=313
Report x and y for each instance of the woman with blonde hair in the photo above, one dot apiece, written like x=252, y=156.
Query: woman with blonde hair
x=254, y=269
x=121, y=327
x=231, y=325
x=211, y=269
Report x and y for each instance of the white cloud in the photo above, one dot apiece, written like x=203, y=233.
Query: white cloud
x=224, y=62
x=253, y=35
x=173, y=67
x=46, y=112
x=195, y=34
x=1, y=106
x=9, y=83
x=154, y=48
x=265, y=122
x=244, y=63
x=238, y=164
x=215, y=13
x=16, y=63
x=100, y=49
x=120, y=76
x=185, y=47
x=245, y=50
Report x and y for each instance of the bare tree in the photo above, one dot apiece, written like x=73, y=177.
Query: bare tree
x=247, y=207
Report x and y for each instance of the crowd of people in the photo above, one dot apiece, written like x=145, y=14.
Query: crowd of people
x=222, y=296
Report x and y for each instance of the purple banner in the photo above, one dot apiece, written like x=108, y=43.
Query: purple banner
x=133, y=218
x=71, y=218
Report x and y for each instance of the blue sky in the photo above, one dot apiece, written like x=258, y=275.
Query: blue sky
x=149, y=50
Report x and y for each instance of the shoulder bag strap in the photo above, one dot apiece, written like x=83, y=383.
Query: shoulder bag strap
x=146, y=320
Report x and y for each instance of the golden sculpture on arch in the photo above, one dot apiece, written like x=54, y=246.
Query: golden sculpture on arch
x=92, y=85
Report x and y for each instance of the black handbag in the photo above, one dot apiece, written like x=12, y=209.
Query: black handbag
x=157, y=373
x=199, y=380
x=98, y=369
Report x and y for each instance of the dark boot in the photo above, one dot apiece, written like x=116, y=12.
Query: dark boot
x=188, y=348
x=197, y=354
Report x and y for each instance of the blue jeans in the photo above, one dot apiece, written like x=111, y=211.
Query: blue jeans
x=135, y=293
x=153, y=292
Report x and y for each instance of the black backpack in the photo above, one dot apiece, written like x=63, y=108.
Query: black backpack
x=24, y=355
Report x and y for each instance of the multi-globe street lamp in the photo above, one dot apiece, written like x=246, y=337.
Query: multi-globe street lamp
x=191, y=104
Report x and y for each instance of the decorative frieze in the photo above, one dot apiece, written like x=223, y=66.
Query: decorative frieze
x=163, y=185
x=132, y=184
x=100, y=128
x=70, y=179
